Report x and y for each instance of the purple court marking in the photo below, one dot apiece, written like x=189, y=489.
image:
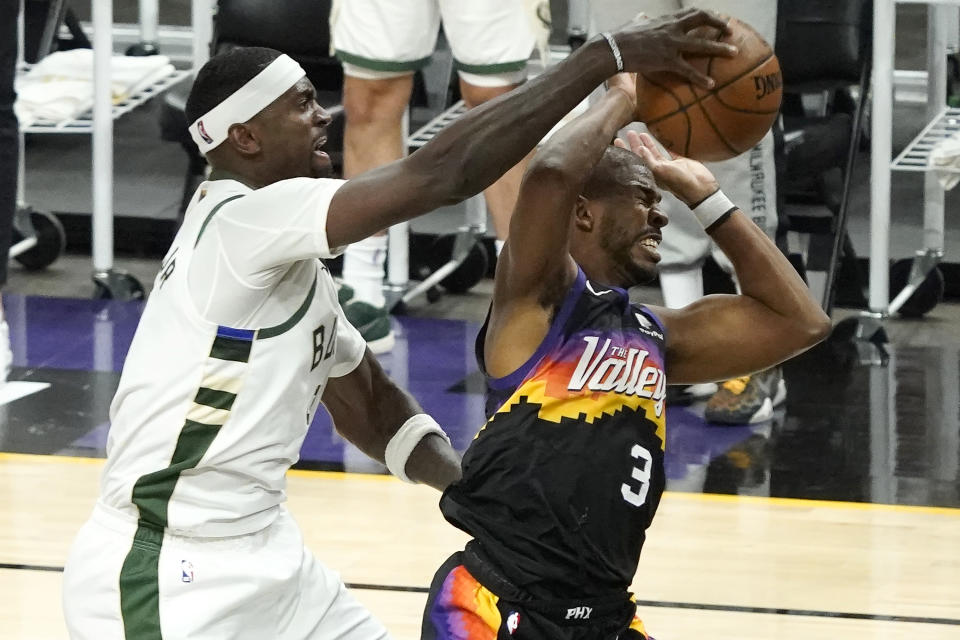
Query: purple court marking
x=820, y=446
x=70, y=333
x=94, y=440
x=430, y=359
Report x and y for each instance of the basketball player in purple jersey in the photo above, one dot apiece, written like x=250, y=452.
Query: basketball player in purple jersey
x=561, y=483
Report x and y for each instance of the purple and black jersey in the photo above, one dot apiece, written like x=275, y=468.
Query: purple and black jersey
x=561, y=483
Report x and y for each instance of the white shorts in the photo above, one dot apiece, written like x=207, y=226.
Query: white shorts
x=157, y=585
x=491, y=40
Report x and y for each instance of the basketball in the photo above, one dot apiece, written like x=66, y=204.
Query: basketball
x=722, y=122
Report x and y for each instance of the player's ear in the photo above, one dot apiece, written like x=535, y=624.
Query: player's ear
x=583, y=218
x=244, y=139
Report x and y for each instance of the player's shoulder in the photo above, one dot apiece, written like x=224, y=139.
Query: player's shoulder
x=299, y=185
x=215, y=191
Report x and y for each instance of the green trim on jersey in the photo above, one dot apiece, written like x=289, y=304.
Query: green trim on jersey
x=139, y=586
x=211, y=406
x=235, y=349
x=152, y=492
x=382, y=65
x=272, y=332
x=210, y=215
x=490, y=69
x=139, y=581
x=215, y=398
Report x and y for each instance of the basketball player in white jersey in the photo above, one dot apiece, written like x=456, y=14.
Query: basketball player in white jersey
x=242, y=338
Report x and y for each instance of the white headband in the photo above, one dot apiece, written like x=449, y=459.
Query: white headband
x=211, y=128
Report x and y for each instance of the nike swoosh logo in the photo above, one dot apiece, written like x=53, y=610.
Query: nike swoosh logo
x=595, y=292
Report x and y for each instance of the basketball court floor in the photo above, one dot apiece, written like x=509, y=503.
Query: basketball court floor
x=839, y=518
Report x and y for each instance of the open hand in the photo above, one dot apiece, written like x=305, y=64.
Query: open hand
x=649, y=45
x=687, y=179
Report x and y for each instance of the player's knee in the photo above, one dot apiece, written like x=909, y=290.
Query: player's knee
x=375, y=101
x=475, y=93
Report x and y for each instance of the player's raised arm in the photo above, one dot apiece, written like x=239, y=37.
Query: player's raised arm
x=479, y=147
x=537, y=252
x=535, y=269
x=722, y=336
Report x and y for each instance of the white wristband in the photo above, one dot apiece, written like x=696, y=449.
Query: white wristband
x=614, y=48
x=405, y=440
x=712, y=208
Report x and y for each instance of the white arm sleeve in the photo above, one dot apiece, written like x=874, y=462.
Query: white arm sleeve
x=277, y=225
x=250, y=244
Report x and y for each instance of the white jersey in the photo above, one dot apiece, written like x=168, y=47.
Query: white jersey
x=226, y=370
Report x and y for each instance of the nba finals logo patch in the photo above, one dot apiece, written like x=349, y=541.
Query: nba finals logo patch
x=513, y=620
x=186, y=571
x=203, y=133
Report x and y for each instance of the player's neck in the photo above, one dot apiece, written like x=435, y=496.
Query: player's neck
x=600, y=271
x=226, y=174
x=251, y=174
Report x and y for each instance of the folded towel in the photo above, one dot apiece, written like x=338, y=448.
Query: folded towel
x=945, y=161
x=60, y=86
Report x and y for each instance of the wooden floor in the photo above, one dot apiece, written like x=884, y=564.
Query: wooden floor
x=714, y=566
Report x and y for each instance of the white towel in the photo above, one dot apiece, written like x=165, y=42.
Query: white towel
x=60, y=86
x=945, y=161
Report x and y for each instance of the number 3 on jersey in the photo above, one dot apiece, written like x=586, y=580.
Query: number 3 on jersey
x=641, y=474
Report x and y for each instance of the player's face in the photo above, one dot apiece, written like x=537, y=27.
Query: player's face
x=297, y=131
x=629, y=229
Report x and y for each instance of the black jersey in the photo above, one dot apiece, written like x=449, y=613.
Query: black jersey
x=561, y=483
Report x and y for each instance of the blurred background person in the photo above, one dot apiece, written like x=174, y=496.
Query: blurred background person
x=381, y=43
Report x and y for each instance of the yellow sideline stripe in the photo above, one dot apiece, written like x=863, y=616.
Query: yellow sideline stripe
x=670, y=495
x=56, y=459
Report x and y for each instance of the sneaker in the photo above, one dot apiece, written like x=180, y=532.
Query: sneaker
x=683, y=395
x=748, y=399
x=373, y=323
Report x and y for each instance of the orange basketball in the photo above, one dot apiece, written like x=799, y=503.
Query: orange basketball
x=722, y=122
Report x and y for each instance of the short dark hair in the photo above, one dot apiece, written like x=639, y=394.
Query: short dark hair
x=603, y=179
x=223, y=74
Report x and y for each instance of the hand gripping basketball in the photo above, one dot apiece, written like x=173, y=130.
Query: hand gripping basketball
x=660, y=44
x=722, y=122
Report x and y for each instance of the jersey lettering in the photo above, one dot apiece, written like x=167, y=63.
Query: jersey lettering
x=621, y=370
x=166, y=269
x=332, y=341
x=323, y=345
x=579, y=613
x=637, y=496
x=313, y=403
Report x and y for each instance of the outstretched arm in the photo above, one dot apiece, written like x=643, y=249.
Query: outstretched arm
x=535, y=269
x=479, y=147
x=368, y=409
x=721, y=336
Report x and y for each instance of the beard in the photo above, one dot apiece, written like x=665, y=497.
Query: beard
x=321, y=167
x=619, y=245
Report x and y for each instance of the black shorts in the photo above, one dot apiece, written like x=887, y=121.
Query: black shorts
x=470, y=601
